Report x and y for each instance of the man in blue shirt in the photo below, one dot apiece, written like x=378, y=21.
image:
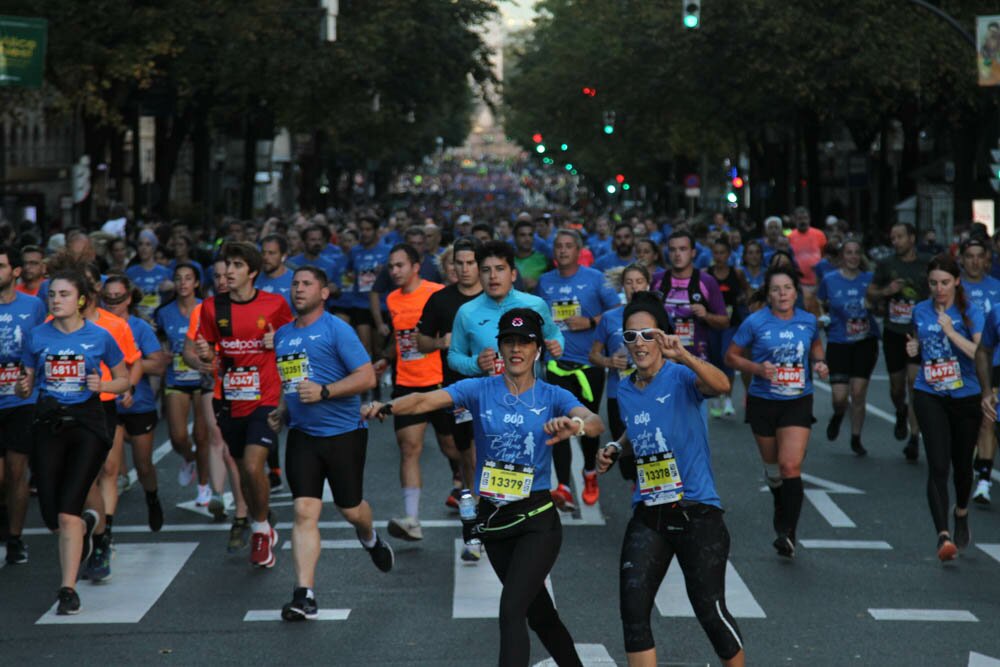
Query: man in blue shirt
x=317, y=243
x=623, y=246
x=274, y=276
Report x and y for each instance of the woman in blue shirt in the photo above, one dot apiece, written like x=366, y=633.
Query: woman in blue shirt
x=63, y=357
x=676, y=507
x=946, y=396
x=851, y=340
x=515, y=420
x=780, y=345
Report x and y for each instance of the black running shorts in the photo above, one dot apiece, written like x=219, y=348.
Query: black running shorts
x=339, y=459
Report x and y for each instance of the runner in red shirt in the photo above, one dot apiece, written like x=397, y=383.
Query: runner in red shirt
x=243, y=323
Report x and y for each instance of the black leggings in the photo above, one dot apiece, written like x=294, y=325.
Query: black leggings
x=701, y=543
x=562, y=457
x=522, y=557
x=950, y=427
x=66, y=464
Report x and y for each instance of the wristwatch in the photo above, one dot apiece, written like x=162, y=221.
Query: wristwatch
x=581, y=431
x=324, y=393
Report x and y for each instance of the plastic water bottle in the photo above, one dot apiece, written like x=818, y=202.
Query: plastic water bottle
x=467, y=513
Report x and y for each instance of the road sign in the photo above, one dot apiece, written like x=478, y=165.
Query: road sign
x=692, y=181
x=692, y=193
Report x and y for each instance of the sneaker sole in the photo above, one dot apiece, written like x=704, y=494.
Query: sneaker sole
x=981, y=500
x=68, y=613
x=268, y=565
x=784, y=548
x=948, y=551
x=400, y=533
x=294, y=614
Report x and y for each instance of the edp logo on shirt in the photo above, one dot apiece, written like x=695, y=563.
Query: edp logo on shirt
x=641, y=419
x=513, y=419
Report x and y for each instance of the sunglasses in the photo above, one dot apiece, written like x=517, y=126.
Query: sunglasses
x=632, y=335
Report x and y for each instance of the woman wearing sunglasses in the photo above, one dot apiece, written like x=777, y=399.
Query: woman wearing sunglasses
x=780, y=346
x=515, y=420
x=676, y=507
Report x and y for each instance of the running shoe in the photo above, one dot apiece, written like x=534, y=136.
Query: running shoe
x=69, y=602
x=452, y=499
x=274, y=477
x=155, y=511
x=784, y=546
x=381, y=554
x=946, y=549
x=563, y=498
x=902, y=427
x=857, y=447
x=17, y=551
x=186, y=473
x=728, y=409
x=982, y=493
x=962, y=534
x=472, y=553
x=301, y=608
x=99, y=567
x=408, y=528
x=833, y=427
x=239, y=532
x=715, y=413
x=204, y=495
x=591, y=491
x=912, y=450
x=90, y=519
x=217, y=507
x=124, y=484
x=261, y=552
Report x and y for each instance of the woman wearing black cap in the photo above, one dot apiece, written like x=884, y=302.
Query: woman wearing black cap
x=515, y=418
x=676, y=507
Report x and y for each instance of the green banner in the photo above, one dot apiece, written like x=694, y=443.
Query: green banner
x=22, y=51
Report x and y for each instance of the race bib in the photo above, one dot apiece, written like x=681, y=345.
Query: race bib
x=790, y=380
x=65, y=373
x=900, y=311
x=505, y=482
x=293, y=368
x=563, y=310
x=150, y=302
x=684, y=328
x=857, y=329
x=183, y=372
x=498, y=366
x=658, y=479
x=346, y=282
x=943, y=374
x=366, y=280
x=462, y=415
x=9, y=372
x=407, y=339
x=241, y=384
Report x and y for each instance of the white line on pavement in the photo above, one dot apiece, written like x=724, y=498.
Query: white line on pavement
x=846, y=544
x=991, y=550
x=672, y=599
x=477, y=588
x=980, y=660
x=591, y=655
x=275, y=615
x=936, y=615
x=328, y=544
x=828, y=509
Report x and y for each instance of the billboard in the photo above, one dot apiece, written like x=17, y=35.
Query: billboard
x=988, y=50
x=22, y=51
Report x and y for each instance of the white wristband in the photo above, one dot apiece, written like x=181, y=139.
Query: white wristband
x=580, y=432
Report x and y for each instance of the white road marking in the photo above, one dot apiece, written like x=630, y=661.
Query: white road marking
x=991, y=550
x=925, y=615
x=980, y=660
x=275, y=615
x=672, y=599
x=846, y=544
x=191, y=506
x=140, y=575
x=328, y=544
x=590, y=515
x=590, y=654
x=828, y=509
x=832, y=487
x=477, y=588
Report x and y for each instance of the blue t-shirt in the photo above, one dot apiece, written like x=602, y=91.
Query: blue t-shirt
x=945, y=370
x=145, y=339
x=611, y=260
x=62, y=361
x=665, y=416
x=598, y=247
x=582, y=294
x=17, y=319
x=366, y=264
x=786, y=344
x=174, y=325
x=326, y=262
x=823, y=267
x=985, y=294
x=511, y=431
x=991, y=334
x=609, y=333
x=755, y=281
x=850, y=319
x=324, y=352
x=149, y=282
x=282, y=285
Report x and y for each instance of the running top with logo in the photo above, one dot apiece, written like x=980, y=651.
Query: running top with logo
x=476, y=325
x=149, y=281
x=899, y=306
x=946, y=370
x=282, y=285
x=174, y=326
x=439, y=317
x=850, y=319
x=784, y=343
x=327, y=262
x=143, y=400
x=991, y=334
x=678, y=298
x=17, y=319
x=248, y=371
x=122, y=334
x=985, y=293
x=365, y=264
x=326, y=351
x=62, y=361
x=413, y=367
x=583, y=294
x=669, y=438
x=808, y=247
x=512, y=459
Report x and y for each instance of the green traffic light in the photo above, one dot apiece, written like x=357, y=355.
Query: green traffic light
x=690, y=21
x=540, y=148
x=612, y=188
x=564, y=147
x=626, y=186
x=609, y=129
x=569, y=166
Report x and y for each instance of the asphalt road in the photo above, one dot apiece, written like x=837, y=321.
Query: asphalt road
x=867, y=555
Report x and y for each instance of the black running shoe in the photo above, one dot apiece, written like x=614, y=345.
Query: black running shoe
x=381, y=554
x=912, y=450
x=155, y=514
x=90, y=519
x=857, y=447
x=301, y=608
x=784, y=546
x=17, y=551
x=902, y=427
x=962, y=536
x=833, y=427
x=69, y=602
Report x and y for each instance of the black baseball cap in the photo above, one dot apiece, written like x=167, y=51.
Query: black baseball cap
x=523, y=322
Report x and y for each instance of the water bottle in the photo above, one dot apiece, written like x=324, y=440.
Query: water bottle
x=467, y=513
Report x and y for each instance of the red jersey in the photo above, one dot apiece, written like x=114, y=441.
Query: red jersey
x=249, y=371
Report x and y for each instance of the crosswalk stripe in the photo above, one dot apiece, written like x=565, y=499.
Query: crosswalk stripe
x=257, y=615
x=980, y=660
x=672, y=599
x=846, y=544
x=191, y=506
x=328, y=544
x=938, y=615
x=991, y=550
x=141, y=573
x=591, y=655
x=828, y=509
x=477, y=588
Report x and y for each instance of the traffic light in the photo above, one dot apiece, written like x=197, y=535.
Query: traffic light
x=738, y=182
x=609, y=122
x=619, y=178
x=564, y=147
x=611, y=188
x=569, y=166
x=590, y=92
x=537, y=137
x=626, y=186
x=540, y=148
x=691, y=13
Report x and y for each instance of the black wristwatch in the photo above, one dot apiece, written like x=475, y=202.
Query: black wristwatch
x=324, y=393
x=593, y=323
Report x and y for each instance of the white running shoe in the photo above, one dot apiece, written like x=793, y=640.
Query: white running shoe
x=982, y=493
x=728, y=409
x=204, y=495
x=186, y=473
x=408, y=528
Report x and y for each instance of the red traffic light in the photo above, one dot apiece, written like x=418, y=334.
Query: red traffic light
x=738, y=182
x=589, y=92
x=620, y=178
x=537, y=137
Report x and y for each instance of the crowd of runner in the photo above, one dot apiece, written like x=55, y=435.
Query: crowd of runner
x=505, y=334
